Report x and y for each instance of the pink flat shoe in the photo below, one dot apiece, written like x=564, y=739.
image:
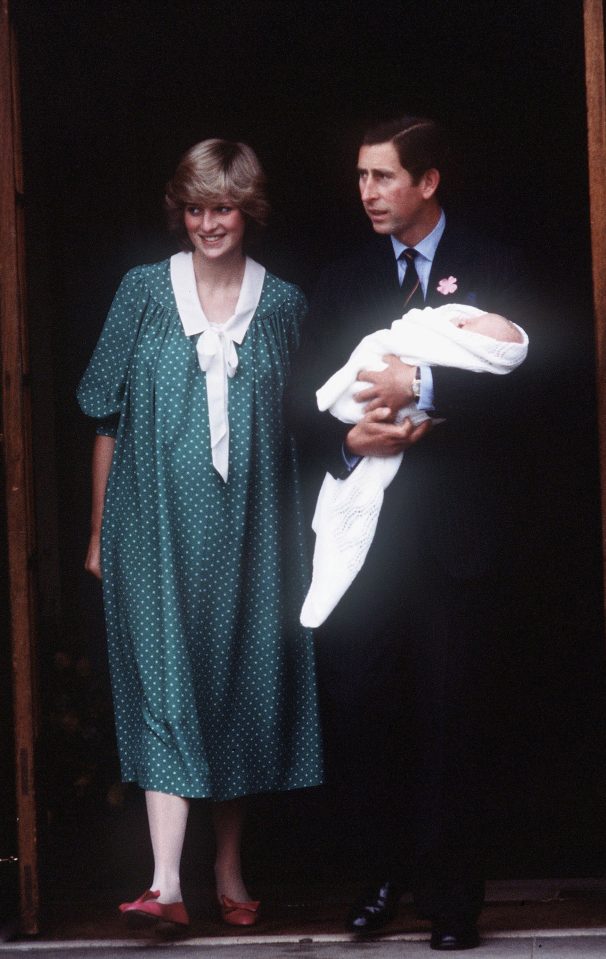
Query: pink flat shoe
x=239, y=913
x=147, y=909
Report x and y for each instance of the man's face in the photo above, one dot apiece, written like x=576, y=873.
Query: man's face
x=394, y=203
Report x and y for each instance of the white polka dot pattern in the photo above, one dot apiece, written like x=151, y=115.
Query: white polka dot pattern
x=213, y=678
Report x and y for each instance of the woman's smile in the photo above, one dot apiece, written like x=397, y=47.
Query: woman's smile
x=215, y=229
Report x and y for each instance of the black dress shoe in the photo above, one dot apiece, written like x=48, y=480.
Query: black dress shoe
x=449, y=934
x=375, y=909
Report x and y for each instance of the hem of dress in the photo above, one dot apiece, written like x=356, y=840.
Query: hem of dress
x=224, y=797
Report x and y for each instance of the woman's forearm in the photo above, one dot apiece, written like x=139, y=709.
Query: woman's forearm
x=103, y=451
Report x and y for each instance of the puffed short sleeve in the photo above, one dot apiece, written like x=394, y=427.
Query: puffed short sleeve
x=102, y=388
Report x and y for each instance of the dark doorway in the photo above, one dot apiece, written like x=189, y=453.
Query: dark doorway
x=112, y=93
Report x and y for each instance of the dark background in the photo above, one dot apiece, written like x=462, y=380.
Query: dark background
x=112, y=94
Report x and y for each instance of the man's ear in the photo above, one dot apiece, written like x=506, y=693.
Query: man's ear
x=430, y=182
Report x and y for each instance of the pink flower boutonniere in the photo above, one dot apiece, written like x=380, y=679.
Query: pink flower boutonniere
x=447, y=285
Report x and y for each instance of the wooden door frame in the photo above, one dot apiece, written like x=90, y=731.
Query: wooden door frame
x=595, y=82
x=15, y=441
x=18, y=467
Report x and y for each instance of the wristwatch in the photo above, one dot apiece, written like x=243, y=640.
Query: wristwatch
x=416, y=385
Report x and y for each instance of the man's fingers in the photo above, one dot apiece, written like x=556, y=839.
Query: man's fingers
x=376, y=435
x=377, y=404
x=406, y=430
x=364, y=395
x=370, y=376
x=378, y=415
x=416, y=432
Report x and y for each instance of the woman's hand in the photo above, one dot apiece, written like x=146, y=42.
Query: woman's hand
x=92, y=563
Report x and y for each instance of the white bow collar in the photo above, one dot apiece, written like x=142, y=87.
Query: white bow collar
x=217, y=354
x=190, y=309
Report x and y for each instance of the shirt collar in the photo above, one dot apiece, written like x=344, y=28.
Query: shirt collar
x=428, y=245
x=188, y=303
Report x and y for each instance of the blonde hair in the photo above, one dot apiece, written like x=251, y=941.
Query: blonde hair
x=212, y=171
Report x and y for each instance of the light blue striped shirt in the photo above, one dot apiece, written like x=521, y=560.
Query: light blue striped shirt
x=426, y=250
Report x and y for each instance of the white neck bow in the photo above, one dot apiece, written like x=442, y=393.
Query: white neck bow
x=215, y=347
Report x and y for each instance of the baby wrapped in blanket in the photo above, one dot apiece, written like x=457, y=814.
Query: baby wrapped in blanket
x=347, y=510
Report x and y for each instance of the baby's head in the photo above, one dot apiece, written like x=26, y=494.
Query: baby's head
x=490, y=324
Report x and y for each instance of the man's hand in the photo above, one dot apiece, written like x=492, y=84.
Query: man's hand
x=391, y=387
x=374, y=435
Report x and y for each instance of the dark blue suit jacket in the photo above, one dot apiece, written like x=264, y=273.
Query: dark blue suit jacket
x=454, y=495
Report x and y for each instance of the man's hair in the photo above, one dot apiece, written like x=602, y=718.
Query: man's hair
x=420, y=143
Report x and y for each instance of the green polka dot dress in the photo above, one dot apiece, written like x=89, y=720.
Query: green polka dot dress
x=213, y=677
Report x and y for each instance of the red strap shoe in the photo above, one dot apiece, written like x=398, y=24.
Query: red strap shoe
x=146, y=906
x=239, y=913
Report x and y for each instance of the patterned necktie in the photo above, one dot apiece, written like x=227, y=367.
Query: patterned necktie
x=411, y=289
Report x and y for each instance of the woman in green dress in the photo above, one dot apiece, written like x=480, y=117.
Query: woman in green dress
x=197, y=528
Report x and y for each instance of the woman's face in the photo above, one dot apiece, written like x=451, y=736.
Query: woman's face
x=215, y=231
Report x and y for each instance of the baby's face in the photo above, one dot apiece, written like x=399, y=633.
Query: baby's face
x=489, y=324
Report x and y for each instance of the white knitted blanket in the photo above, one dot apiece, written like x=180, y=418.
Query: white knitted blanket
x=347, y=510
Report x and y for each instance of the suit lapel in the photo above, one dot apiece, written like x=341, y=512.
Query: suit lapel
x=382, y=263
x=381, y=279
x=452, y=267
x=450, y=279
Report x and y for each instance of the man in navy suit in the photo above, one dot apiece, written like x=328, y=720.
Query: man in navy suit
x=410, y=658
